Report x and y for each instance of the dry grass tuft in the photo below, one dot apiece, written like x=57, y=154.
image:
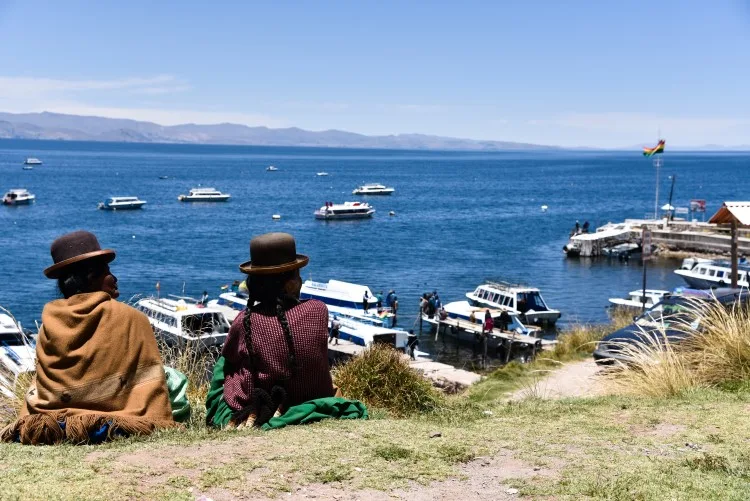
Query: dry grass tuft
x=656, y=368
x=381, y=378
x=718, y=348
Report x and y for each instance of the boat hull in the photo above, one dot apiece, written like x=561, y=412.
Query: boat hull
x=380, y=193
x=121, y=207
x=186, y=198
x=326, y=217
x=28, y=201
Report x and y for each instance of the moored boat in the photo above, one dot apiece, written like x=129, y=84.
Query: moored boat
x=179, y=322
x=347, y=299
x=526, y=301
x=373, y=189
x=18, y=196
x=32, y=161
x=17, y=353
x=707, y=274
x=635, y=299
x=204, y=195
x=347, y=210
x=122, y=203
x=271, y=168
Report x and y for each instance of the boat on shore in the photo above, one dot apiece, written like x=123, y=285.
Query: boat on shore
x=347, y=210
x=204, y=195
x=527, y=302
x=183, y=321
x=32, y=161
x=18, y=196
x=17, y=353
x=122, y=203
x=373, y=189
x=708, y=274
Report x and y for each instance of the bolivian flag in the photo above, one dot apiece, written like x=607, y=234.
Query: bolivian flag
x=659, y=148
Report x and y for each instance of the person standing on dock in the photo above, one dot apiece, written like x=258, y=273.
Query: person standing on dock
x=585, y=228
x=412, y=344
x=366, y=301
x=489, y=324
x=334, y=335
x=379, y=298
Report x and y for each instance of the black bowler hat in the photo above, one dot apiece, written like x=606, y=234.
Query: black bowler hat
x=73, y=248
x=273, y=253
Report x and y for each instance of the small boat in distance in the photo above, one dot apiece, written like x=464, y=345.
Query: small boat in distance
x=18, y=196
x=322, y=174
x=32, y=161
x=347, y=210
x=373, y=189
x=271, y=168
x=163, y=177
x=122, y=203
x=204, y=195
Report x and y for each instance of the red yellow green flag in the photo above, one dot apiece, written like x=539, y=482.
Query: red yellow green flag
x=659, y=148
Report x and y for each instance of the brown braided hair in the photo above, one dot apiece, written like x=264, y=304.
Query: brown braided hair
x=268, y=291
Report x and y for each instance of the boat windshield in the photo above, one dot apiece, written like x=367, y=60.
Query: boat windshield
x=669, y=312
x=204, y=323
x=11, y=339
x=530, y=301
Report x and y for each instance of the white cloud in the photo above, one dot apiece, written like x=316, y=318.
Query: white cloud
x=30, y=87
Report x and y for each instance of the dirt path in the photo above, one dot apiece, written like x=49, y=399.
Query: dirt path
x=576, y=379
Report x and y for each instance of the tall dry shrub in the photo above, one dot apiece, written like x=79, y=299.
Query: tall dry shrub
x=381, y=378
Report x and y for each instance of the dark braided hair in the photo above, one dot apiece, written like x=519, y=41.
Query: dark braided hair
x=268, y=291
x=78, y=277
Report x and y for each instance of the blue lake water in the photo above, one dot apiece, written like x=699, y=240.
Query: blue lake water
x=461, y=218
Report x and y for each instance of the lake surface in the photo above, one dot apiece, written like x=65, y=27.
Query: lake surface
x=461, y=218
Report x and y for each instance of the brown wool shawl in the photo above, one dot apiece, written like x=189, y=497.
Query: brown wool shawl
x=97, y=363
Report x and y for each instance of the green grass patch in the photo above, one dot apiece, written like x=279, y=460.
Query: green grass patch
x=392, y=452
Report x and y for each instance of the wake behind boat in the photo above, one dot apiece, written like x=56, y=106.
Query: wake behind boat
x=347, y=210
x=373, y=189
x=122, y=203
x=204, y=195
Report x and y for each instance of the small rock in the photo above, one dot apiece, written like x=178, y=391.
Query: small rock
x=487, y=413
x=536, y=468
x=357, y=468
x=436, y=434
x=693, y=446
x=511, y=491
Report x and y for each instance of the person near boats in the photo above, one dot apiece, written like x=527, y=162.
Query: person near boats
x=412, y=344
x=276, y=354
x=366, y=301
x=585, y=228
x=204, y=298
x=743, y=259
x=335, y=328
x=489, y=324
x=99, y=373
x=379, y=299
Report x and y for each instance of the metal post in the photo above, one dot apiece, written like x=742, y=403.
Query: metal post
x=645, y=256
x=657, y=164
x=734, y=254
x=671, y=190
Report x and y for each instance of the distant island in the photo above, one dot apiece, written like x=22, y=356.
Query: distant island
x=57, y=126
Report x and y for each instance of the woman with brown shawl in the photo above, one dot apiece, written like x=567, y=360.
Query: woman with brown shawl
x=99, y=373
x=276, y=354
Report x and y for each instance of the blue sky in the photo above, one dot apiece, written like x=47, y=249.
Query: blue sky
x=576, y=73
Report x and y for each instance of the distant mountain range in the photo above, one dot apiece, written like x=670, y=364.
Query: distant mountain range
x=58, y=126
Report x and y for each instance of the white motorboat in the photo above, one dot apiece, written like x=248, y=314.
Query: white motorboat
x=321, y=174
x=32, y=161
x=183, y=321
x=347, y=210
x=373, y=189
x=18, y=196
x=17, y=353
x=592, y=244
x=271, y=168
x=635, y=299
x=364, y=332
x=347, y=299
x=122, y=203
x=204, y=195
x=526, y=301
x=707, y=274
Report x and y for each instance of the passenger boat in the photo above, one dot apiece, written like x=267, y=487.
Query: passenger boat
x=707, y=274
x=17, y=353
x=347, y=298
x=364, y=332
x=122, y=203
x=179, y=322
x=347, y=210
x=204, y=195
x=593, y=244
x=635, y=299
x=526, y=301
x=18, y=197
x=271, y=168
x=32, y=161
x=373, y=189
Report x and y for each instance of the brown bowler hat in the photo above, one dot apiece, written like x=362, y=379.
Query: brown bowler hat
x=272, y=253
x=73, y=248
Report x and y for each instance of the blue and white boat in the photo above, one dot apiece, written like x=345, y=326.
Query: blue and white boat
x=347, y=298
x=708, y=274
x=527, y=302
x=347, y=210
x=122, y=203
